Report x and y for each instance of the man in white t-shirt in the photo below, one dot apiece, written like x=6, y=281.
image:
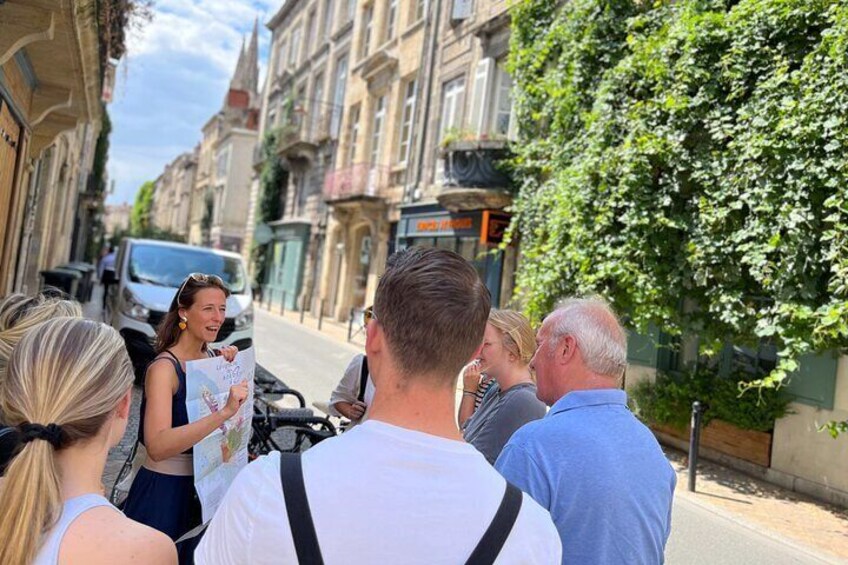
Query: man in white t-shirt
x=403, y=487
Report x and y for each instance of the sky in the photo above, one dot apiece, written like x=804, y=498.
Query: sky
x=173, y=79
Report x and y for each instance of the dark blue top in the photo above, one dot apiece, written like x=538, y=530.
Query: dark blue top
x=179, y=414
x=601, y=474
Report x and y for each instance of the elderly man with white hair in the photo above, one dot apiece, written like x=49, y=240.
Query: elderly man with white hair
x=597, y=469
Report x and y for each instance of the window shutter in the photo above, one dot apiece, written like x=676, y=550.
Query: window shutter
x=482, y=87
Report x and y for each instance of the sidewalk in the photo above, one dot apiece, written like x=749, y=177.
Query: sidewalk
x=812, y=526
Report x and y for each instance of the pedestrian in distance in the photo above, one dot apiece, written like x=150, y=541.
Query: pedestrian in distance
x=19, y=314
x=508, y=345
x=106, y=272
x=67, y=395
x=599, y=471
x=402, y=487
x=162, y=494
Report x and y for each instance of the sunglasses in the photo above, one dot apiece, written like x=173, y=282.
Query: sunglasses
x=368, y=315
x=201, y=278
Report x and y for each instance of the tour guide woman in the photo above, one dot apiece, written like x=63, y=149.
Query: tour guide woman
x=162, y=494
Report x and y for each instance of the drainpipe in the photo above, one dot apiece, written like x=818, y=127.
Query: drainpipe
x=432, y=27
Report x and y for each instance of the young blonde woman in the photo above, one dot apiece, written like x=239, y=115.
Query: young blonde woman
x=67, y=394
x=508, y=345
x=18, y=315
x=163, y=494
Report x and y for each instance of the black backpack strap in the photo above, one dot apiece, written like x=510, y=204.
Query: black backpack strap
x=492, y=542
x=363, y=379
x=297, y=509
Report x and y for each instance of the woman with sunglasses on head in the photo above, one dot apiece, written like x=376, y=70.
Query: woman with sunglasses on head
x=67, y=392
x=162, y=494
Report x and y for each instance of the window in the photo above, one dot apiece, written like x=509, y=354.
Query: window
x=406, y=122
x=491, y=108
x=295, y=45
x=271, y=118
x=420, y=6
x=501, y=119
x=310, y=30
x=377, y=130
x=391, y=19
x=354, y=134
x=222, y=162
x=452, y=95
x=339, y=95
x=462, y=10
x=367, y=28
x=281, y=57
x=328, y=19
x=351, y=10
x=317, y=113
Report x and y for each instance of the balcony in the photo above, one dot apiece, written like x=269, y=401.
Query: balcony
x=473, y=178
x=362, y=181
x=305, y=131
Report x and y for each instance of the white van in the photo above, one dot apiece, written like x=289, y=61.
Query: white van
x=148, y=274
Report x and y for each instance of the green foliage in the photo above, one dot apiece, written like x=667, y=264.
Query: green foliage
x=140, y=214
x=101, y=155
x=688, y=160
x=668, y=401
x=140, y=225
x=273, y=179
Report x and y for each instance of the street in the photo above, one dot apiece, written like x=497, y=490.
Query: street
x=313, y=363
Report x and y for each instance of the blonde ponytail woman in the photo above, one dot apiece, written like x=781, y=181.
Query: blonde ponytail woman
x=66, y=393
x=18, y=315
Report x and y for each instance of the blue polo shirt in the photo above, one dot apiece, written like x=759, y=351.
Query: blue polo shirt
x=601, y=474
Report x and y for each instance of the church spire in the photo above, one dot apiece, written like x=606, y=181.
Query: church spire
x=252, y=60
x=240, y=76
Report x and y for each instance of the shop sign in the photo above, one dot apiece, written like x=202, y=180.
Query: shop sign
x=443, y=225
x=494, y=226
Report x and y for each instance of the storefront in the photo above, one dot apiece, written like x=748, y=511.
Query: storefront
x=288, y=257
x=474, y=234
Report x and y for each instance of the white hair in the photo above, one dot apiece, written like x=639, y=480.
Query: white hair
x=597, y=331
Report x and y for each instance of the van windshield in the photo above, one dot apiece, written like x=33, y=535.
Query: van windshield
x=169, y=266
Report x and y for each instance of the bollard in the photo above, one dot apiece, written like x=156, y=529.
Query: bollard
x=350, y=325
x=302, y=309
x=321, y=316
x=694, y=441
x=283, y=304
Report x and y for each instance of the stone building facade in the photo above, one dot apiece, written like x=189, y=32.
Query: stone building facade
x=55, y=69
x=304, y=96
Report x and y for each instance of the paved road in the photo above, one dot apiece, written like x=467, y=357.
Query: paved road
x=313, y=364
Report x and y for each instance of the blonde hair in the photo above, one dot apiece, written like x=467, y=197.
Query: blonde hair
x=518, y=337
x=20, y=313
x=67, y=374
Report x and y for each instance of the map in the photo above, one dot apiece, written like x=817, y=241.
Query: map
x=222, y=454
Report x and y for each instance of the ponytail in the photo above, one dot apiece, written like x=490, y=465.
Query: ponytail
x=30, y=502
x=64, y=381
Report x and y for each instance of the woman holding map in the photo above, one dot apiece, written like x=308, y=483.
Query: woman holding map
x=163, y=494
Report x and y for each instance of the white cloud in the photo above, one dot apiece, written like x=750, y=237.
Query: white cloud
x=176, y=74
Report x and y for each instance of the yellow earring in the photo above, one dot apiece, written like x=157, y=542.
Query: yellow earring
x=182, y=325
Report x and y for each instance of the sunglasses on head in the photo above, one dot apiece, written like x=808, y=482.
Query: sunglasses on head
x=201, y=278
x=368, y=315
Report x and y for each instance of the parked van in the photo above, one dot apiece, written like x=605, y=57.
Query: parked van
x=148, y=274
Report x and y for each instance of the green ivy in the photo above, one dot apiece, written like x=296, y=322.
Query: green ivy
x=688, y=160
x=273, y=179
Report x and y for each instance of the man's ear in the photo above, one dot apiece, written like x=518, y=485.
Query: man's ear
x=373, y=337
x=566, y=349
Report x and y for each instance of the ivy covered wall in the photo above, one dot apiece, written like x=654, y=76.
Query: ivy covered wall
x=688, y=160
